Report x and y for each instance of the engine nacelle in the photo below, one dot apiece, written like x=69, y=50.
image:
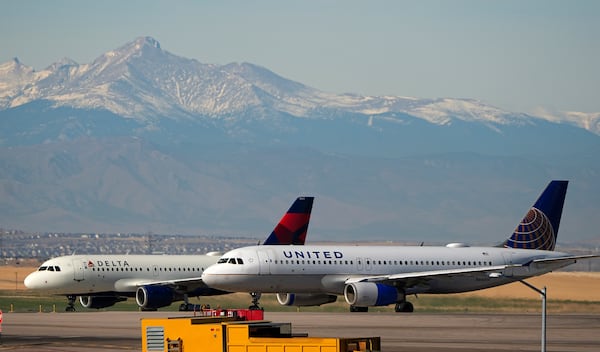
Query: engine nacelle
x=152, y=297
x=305, y=299
x=98, y=302
x=368, y=294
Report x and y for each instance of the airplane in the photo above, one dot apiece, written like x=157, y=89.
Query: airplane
x=154, y=280
x=369, y=276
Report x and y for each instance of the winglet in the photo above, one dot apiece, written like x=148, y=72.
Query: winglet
x=539, y=227
x=293, y=226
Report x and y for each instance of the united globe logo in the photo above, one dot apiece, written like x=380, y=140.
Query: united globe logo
x=533, y=232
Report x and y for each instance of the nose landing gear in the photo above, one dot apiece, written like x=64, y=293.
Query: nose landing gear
x=255, y=299
x=70, y=303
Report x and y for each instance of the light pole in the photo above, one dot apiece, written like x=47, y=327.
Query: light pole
x=543, y=293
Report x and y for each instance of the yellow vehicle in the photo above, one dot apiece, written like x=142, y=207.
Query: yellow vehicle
x=227, y=334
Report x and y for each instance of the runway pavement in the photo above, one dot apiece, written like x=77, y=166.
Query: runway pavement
x=115, y=331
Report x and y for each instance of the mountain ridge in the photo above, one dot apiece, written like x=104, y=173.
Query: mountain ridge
x=141, y=80
x=142, y=140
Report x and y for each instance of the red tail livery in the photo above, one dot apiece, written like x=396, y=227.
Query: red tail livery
x=293, y=226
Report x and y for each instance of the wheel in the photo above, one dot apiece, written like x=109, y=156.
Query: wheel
x=404, y=307
x=355, y=309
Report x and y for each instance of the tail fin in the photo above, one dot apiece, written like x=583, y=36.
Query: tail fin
x=539, y=227
x=293, y=226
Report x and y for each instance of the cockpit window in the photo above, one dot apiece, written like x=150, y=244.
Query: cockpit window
x=42, y=268
x=50, y=268
x=230, y=261
x=56, y=268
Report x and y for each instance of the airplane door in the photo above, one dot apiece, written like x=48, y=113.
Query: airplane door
x=508, y=260
x=264, y=263
x=78, y=274
x=359, y=264
x=368, y=263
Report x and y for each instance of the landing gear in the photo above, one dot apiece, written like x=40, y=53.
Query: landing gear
x=404, y=307
x=355, y=309
x=255, y=299
x=186, y=306
x=70, y=303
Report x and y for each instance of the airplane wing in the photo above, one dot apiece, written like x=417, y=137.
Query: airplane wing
x=562, y=260
x=423, y=278
x=130, y=285
x=420, y=282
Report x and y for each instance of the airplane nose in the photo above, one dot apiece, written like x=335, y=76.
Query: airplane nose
x=30, y=281
x=208, y=276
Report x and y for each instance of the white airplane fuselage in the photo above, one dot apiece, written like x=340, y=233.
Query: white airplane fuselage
x=90, y=274
x=328, y=269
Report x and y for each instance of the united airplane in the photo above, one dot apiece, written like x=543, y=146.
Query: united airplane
x=154, y=280
x=369, y=276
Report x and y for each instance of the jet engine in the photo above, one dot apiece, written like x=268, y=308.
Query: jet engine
x=305, y=299
x=98, y=302
x=368, y=294
x=152, y=297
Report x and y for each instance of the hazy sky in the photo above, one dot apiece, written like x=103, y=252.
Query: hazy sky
x=517, y=55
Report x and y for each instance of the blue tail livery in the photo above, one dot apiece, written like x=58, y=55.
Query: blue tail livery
x=293, y=226
x=539, y=227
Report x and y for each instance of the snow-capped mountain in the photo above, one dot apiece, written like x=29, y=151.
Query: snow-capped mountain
x=141, y=81
x=143, y=140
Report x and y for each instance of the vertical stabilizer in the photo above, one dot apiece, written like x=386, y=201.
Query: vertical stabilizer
x=539, y=227
x=293, y=226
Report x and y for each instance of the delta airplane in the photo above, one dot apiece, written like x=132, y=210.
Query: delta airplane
x=369, y=276
x=155, y=280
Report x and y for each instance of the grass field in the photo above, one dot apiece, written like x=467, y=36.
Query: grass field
x=568, y=292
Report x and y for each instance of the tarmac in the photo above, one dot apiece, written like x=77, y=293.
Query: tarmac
x=117, y=331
